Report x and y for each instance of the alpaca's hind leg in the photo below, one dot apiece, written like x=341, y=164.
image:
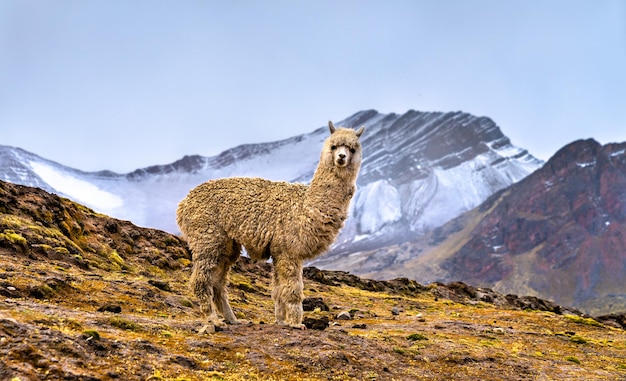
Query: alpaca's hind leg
x=212, y=257
x=201, y=282
x=220, y=295
x=287, y=292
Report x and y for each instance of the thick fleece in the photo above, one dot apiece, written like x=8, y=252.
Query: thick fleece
x=288, y=222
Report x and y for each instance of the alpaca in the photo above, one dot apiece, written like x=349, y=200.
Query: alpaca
x=287, y=222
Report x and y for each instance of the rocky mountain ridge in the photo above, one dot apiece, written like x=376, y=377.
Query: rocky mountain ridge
x=420, y=170
x=559, y=234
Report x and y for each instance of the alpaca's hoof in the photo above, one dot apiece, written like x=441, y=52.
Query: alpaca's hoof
x=233, y=322
x=295, y=326
x=207, y=329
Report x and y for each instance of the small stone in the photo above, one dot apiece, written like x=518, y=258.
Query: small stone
x=111, y=226
x=11, y=288
x=318, y=324
x=113, y=308
x=358, y=315
x=185, y=362
x=498, y=330
x=359, y=326
x=395, y=311
x=344, y=315
x=310, y=304
x=160, y=284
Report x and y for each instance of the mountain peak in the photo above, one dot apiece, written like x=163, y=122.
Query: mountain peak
x=188, y=164
x=419, y=170
x=558, y=233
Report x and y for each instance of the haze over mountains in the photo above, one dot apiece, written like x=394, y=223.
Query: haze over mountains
x=441, y=197
x=420, y=170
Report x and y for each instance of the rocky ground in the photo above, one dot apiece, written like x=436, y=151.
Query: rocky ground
x=86, y=297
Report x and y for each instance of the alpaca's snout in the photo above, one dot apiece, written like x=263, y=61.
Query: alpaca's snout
x=341, y=160
x=342, y=156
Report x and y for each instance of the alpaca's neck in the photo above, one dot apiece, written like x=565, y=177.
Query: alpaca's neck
x=331, y=189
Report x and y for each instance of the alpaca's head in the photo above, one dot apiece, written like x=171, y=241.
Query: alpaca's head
x=342, y=149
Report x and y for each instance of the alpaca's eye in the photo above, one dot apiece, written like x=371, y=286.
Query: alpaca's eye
x=333, y=148
x=352, y=150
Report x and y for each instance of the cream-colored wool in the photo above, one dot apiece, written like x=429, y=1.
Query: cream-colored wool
x=288, y=222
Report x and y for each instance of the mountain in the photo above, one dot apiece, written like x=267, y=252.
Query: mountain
x=560, y=234
x=89, y=297
x=420, y=169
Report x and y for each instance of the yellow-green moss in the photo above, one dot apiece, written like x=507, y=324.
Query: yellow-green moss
x=45, y=291
x=572, y=359
x=583, y=320
x=62, y=250
x=115, y=257
x=186, y=303
x=95, y=335
x=184, y=262
x=10, y=221
x=578, y=340
x=13, y=237
x=416, y=336
x=38, y=234
x=116, y=262
x=122, y=323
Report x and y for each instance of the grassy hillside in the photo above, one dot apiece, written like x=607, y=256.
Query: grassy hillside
x=86, y=297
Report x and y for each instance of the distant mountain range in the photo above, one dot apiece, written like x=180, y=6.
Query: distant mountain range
x=441, y=197
x=420, y=170
x=560, y=233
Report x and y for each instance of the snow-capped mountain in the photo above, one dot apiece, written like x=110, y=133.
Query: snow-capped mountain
x=559, y=234
x=420, y=170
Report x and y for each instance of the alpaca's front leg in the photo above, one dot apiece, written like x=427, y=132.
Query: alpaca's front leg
x=220, y=298
x=287, y=293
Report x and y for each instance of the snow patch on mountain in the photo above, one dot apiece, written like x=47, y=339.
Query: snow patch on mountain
x=77, y=189
x=377, y=204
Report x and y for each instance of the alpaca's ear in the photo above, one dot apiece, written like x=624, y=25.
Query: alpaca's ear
x=331, y=127
x=360, y=131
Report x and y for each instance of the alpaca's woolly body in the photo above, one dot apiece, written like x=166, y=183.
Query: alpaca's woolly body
x=288, y=222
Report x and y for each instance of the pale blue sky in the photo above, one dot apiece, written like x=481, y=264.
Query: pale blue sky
x=125, y=84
